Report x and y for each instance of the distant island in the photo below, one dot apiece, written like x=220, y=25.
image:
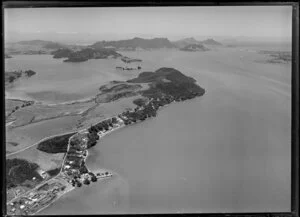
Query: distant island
x=135, y=43
x=32, y=47
x=128, y=63
x=210, y=41
x=42, y=43
x=181, y=44
x=185, y=42
x=84, y=54
x=278, y=56
x=194, y=47
x=130, y=60
x=11, y=76
x=91, y=53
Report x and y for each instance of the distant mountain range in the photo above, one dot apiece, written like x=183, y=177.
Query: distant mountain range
x=103, y=49
x=136, y=43
x=32, y=47
x=43, y=44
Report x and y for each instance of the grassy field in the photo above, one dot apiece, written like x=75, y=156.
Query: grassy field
x=106, y=110
x=38, y=112
x=44, y=160
x=12, y=105
x=73, y=117
x=21, y=137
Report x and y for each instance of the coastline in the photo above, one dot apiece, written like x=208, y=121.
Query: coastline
x=59, y=196
x=101, y=135
x=69, y=186
x=73, y=169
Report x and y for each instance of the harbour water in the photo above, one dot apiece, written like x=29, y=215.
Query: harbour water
x=57, y=81
x=228, y=151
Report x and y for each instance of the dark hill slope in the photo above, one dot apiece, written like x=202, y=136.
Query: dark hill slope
x=169, y=82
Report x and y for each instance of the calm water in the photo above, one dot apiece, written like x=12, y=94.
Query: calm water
x=228, y=151
x=57, y=81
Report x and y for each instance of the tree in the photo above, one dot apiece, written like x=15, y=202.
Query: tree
x=86, y=182
x=114, y=120
x=94, y=178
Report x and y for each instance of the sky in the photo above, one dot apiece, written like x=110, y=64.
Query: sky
x=171, y=22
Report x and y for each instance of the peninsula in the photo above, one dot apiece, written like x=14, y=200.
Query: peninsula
x=39, y=188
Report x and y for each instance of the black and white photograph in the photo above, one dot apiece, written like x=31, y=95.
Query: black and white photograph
x=147, y=110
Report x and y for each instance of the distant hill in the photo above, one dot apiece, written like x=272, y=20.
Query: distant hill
x=44, y=44
x=32, y=47
x=33, y=42
x=91, y=53
x=184, y=42
x=192, y=41
x=136, y=43
x=194, y=47
x=210, y=41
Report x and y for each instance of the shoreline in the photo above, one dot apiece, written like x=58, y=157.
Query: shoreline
x=85, y=158
x=74, y=171
x=101, y=135
x=71, y=188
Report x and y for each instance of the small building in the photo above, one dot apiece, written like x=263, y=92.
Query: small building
x=42, y=173
x=22, y=207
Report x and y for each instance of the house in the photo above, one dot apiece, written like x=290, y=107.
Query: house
x=70, y=162
x=18, y=191
x=42, y=173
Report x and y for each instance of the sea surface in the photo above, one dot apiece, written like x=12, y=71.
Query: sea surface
x=227, y=151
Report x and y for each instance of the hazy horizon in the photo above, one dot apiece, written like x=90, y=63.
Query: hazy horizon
x=86, y=25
